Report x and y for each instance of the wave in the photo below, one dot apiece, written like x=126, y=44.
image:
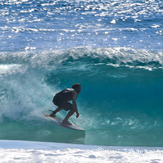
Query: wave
x=120, y=101
x=116, y=57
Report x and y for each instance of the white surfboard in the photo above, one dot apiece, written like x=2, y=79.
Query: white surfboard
x=58, y=121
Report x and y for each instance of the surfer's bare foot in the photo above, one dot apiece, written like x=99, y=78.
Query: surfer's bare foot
x=52, y=115
x=66, y=123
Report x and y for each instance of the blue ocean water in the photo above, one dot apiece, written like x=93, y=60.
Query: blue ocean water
x=112, y=48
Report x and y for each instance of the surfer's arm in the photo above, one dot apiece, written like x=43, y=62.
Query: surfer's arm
x=75, y=105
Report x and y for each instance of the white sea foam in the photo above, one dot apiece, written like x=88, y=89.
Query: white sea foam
x=9, y=68
x=127, y=57
x=26, y=151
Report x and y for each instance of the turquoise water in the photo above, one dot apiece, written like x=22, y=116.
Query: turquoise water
x=112, y=48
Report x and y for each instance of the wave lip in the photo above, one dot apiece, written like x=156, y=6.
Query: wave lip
x=117, y=57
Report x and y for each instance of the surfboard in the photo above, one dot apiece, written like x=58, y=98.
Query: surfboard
x=58, y=121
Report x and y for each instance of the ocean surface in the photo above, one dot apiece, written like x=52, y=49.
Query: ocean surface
x=113, y=48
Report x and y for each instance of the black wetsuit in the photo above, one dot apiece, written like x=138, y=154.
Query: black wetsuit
x=61, y=99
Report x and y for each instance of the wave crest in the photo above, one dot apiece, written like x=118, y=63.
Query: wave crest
x=117, y=57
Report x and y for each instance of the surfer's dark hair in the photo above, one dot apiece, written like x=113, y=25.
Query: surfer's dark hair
x=76, y=86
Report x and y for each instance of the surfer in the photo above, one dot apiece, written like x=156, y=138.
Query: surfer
x=61, y=100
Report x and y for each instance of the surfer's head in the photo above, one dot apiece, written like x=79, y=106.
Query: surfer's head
x=77, y=87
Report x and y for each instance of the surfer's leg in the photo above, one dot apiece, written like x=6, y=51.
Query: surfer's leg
x=55, y=111
x=70, y=113
x=68, y=107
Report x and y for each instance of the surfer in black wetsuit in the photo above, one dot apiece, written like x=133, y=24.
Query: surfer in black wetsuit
x=61, y=100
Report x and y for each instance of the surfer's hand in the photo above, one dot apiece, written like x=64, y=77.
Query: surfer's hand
x=77, y=115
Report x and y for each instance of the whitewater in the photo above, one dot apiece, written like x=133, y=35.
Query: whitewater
x=112, y=48
x=26, y=151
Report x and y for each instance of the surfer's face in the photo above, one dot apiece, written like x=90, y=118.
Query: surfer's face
x=78, y=90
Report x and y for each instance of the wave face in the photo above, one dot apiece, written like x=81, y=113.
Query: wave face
x=120, y=102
